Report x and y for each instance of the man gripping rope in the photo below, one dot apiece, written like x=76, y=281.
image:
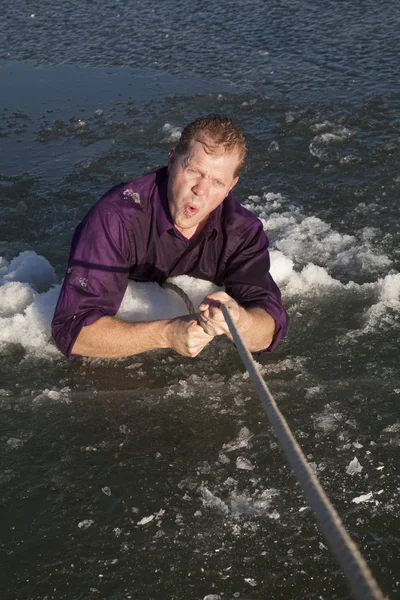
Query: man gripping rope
x=180, y=219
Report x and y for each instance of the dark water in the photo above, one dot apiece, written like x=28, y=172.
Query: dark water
x=316, y=88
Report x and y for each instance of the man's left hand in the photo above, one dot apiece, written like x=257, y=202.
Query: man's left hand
x=211, y=317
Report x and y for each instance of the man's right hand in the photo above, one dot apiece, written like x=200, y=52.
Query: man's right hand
x=186, y=336
x=110, y=337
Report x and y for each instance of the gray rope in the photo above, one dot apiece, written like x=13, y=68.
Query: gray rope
x=354, y=566
x=189, y=305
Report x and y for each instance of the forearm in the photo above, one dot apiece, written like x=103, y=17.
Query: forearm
x=256, y=328
x=109, y=337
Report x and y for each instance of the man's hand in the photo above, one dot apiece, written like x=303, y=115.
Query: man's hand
x=255, y=325
x=186, y=336
x=211, y=316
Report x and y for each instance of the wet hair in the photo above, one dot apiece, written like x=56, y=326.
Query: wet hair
x=212, y=132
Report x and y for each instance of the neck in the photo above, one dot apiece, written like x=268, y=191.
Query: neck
x=193, y=232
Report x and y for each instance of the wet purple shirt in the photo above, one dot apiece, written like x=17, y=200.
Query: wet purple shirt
x=129, y=234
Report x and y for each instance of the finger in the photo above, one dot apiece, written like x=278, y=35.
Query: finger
x=214, y=299
x=215, y=313
x=202, y=328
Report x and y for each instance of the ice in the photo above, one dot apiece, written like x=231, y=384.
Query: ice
x=395, y=428
x=363, y=498
x=223, y=459
x=307, y=259
x=241, y=503
x=301, y=243
x=242, y=441
x=146, y=520
x=157, y=516
x=251, y=581
x=211, y=501
x=329, y=419
x=28, y=296
x=31, y=329
x=148, y=301
x=386, y=311
x=313, y=392
x=172, y=133
x=85, y=524
x=282, y=267
x=106, y=490
x=14, y=443
x=61, y=396
x=244, y=464
x=212, y=597
x=15, y=297
x=354, y=467
x=29, y=267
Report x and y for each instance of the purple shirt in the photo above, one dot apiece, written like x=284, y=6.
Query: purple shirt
x=129, y=234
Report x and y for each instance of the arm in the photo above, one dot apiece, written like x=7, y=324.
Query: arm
x=255, y=325
x=109, y=337
x=252, y=295
x=84, y=322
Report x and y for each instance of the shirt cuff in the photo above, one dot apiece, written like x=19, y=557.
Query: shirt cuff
x=65, y=334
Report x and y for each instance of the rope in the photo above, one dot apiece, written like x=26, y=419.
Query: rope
x=357, y=572
x=353, y=564
x=189, y=305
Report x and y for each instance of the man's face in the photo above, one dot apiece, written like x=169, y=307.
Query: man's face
x=198, y=182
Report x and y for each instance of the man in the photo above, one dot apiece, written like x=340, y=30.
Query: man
x=180, y=219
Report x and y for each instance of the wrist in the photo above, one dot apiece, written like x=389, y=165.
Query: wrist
x=165, y=333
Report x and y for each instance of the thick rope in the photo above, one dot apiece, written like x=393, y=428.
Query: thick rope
x=189, y=305
x=354, y=566
x=357, y=572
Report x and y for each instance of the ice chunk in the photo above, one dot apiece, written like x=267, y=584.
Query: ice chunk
x=173, y=134
x=250, y=581
x=146, y=520
x=392, y=428
x=354, y=467
x=106, y=490
x=85, y=524
x=29, y=267
x=212, y=597
x=242, y=441
x=14, y=442
x=243, y=463
x=363, y=498
x=15, y=296
x=223, y=459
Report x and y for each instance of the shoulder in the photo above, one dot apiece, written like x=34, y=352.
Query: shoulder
x=121, y=207
x=135, y=196
x=236, y=219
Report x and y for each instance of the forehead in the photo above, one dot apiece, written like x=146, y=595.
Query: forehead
x=215, y=160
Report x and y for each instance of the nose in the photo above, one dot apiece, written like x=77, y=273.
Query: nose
x=200, y=187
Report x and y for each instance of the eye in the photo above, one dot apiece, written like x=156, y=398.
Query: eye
x=218, y=183
x=193, y=171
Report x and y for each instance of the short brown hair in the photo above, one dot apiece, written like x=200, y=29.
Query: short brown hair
x=215, y=130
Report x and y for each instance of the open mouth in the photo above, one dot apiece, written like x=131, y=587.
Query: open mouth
x=191, y=210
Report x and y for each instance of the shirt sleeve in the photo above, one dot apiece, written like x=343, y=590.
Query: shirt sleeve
x=96, y=278
x=249, y=282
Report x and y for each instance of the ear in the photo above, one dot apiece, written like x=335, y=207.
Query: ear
x=171, y=157
x=234, y=182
